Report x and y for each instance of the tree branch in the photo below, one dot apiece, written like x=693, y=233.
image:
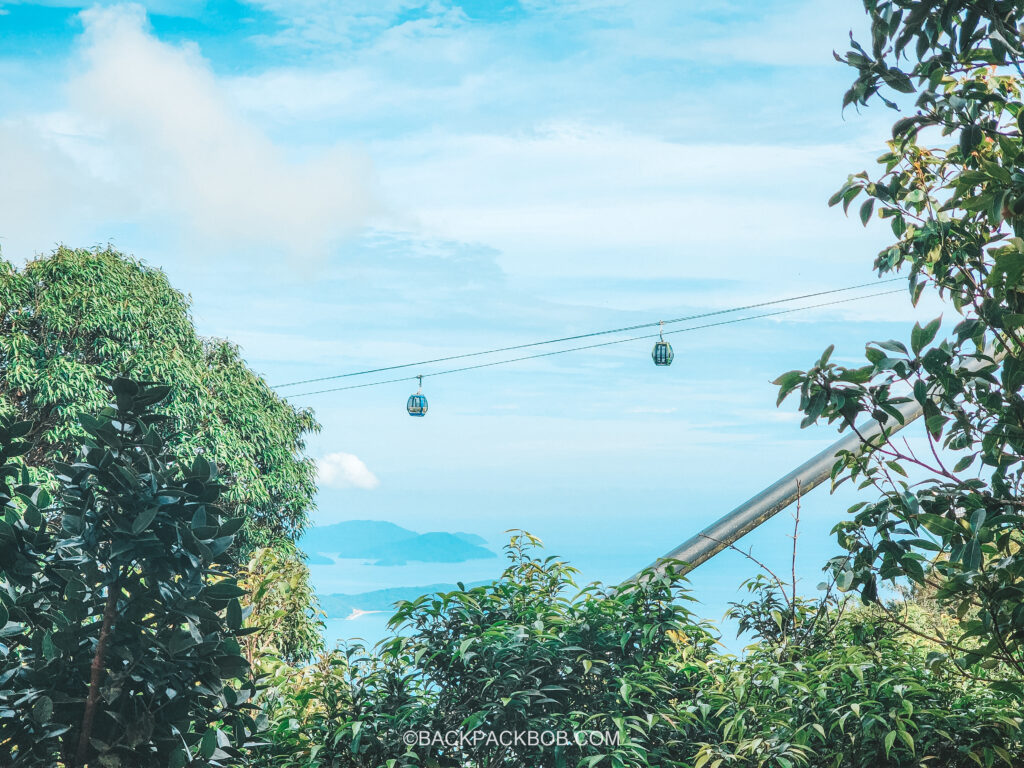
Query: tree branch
x=96, y=676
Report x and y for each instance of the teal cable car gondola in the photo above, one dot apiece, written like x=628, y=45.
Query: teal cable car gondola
x=662, y=353
x=417, y=405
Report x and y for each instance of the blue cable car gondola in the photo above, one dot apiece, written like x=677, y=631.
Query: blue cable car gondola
x=662, y=353
x=417, y=405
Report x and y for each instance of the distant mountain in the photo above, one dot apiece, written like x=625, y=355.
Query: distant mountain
x=339, y=606
x=390, y=544
x=352, y=537
x=430, y=548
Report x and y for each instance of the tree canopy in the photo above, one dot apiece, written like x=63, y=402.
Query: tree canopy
x=70, y=318
x=119, y=617
x=951, y=186
x=625, y=677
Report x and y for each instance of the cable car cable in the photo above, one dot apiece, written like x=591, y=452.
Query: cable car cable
x=590, y=346
x=583, y=335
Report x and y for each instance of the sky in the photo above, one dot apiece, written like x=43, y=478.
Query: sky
x=347, y=186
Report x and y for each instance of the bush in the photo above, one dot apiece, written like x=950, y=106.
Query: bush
x=281, y=605
x=528, y=653
x=120, y=622
x=824, y=687
x=858, y=692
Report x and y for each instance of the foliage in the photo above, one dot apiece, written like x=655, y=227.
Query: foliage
x=864, y=698
x=350, y=708
x=531, y=653
x=120, y=622
x=281, y=604
x=785, y=620
x=527, y=653
x=952, y=188
x=77, y=315
x=777, y=614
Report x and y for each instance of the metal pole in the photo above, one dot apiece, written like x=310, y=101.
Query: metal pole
x=783, y=492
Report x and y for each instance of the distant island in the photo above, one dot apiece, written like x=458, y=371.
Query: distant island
x=340, y=606
x=389, y=544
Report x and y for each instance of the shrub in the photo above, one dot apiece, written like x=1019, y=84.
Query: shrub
x=121, y=621
x=528, y=653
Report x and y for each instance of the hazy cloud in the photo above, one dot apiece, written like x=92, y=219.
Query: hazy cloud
x=151, y=133
x=345, y=470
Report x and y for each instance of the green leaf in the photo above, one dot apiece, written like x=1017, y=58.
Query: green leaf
x=1013, y=321
x=32, y=517
x=907, y=739
x=787, y=382
x=865, y=210
x=50, y=650
x=964, y=463
x=972, y=555
x=208, y=744
x=849, y=195
x=1003, y=754
x=1012, y=689
x=123, y=387
x=977, y=520
x=230, y=527
x=922, y=337
x=234, y=614
x=144, y=518
x=42, y=710
x=890, y=738
x=844, y=580
x=904, y=125
x=224, y=590
x=940, y=526
x=1009, y=265
x=898, y=80
x=970, y=137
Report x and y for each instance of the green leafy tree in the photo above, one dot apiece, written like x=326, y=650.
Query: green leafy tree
x=856, y=692
x=70, y=318
x=281, y=605
x=120, y=621
x=951, y=185
x=529, y=653
x=820, y=687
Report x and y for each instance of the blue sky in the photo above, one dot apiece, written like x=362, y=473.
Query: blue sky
x=343, y=186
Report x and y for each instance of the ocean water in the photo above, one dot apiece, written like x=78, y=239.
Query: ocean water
x=609, y=558
x=353, y=576
x=609, y=566
x=367, y=630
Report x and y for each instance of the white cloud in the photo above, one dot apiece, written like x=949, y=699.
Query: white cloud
x=150, y=132
x=579, y=201
x=345, y=470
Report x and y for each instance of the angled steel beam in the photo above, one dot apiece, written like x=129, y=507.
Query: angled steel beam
x=784, y=491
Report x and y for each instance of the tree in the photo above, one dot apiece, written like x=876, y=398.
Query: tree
x=71, y=318
x=120, y=618
x=853, y=691
x=532, y=654
x=282, y=606
x=951, y=185
x=529, y=653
